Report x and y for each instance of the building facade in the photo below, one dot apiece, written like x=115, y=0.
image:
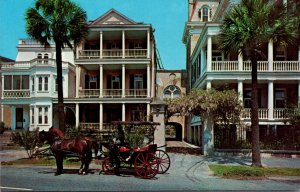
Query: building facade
x=170, y=84
x=109, y=77
x=209, y=67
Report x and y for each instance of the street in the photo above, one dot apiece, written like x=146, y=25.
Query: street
x=187, y=172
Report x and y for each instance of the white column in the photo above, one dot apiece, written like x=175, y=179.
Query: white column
x=101, y=116
x=240, y=90
x=50, y=115
x=123, y=80
x=148, y=43
x=13, y=117
x=201, y=11
x=148, y=111
x=208, y=84
x=30, y=117
x=77, y=81
x=123, y=112
x=209, y=19
x=240, y=59
x=270, y=55
x=209, y=53
x=123, y=44
x=2, y=85
x=299, y=53
x=202, y=60
x=36, y=117
x=270, y=99
x=101, y=44
x=77, y=116
x=43, y=115
x=299, y=93
x=1, y=113
x=148, y=80
x=101, y=80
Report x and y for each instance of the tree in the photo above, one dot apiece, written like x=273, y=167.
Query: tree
x=246, y=28
x=63, y=22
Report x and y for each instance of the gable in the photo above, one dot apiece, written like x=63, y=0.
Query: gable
x=112, y=17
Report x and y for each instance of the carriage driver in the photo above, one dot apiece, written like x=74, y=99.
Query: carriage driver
x=118, y=140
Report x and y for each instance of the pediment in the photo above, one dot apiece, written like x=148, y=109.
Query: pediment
x=112, y=17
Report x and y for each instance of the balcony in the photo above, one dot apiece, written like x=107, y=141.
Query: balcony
x=113, y=93
x=32, y=63
x=112, y=53
x=7, y=94
x=278, y=66
x=264, y=113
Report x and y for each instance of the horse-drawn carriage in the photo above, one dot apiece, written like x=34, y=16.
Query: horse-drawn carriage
x=140, y=150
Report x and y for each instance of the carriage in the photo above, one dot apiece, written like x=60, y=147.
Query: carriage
x=141, y=152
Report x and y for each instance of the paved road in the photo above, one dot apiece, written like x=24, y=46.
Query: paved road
x=187, y=172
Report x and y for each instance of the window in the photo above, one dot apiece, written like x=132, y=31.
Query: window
x=216, y=56
x=46, y=84
x=46, y=57
x=138, y=81
x=25, y=81
x=56, y=84
x=115, y=82
x=46, y=115
x=39, y=58
x=280, y=54
x=172, y=91
x=93, y=82
x=279, y=98
x=32, y=83
x=247, y=98
x=16, y=82
x=205, y=11
x=7, y=82
x=32, y=115
x=40, y=115
x=40, y=83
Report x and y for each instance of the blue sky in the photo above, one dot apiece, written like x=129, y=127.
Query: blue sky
x=167, y=17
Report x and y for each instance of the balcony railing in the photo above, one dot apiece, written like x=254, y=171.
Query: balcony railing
x=281, y=113
x=112, y=92
x=135, y=53
x=89, y=93
x=34, y=62
x=24, y=93
x=136, y=93
x=262, y=113
x=112, y=53
x=283, y=66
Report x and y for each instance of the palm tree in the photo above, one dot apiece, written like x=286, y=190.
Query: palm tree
x=246, y=28
x=63, y=22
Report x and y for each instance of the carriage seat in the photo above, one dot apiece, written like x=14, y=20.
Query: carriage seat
x=150, y=147
x=124, y=149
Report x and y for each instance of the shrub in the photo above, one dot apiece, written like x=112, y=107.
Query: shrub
x=2, y=128
x=27, y=139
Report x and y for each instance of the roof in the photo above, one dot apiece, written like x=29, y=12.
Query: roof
x=112, y=17
x=5, y=59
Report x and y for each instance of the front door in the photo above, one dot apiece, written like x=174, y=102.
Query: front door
x=19, y=118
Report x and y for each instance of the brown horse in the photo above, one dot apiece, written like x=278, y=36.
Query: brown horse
x=61, y=146
x=58, y=133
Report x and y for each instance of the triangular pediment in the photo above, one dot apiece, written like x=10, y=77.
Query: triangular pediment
x=112, y=17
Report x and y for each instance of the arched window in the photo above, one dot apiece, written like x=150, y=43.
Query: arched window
x=46, y=57
x=172, y=91
x=205, y=14
x=39, y=58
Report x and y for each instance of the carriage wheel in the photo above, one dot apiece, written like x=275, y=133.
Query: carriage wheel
x=163, y=161
x=145, y=165
x=107, y=166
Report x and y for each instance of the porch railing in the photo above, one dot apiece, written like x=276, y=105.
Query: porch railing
x=225, y=66
x=89, y=54
x=136, y=92
x=33, y=62
x=112, y=92
x=134, y=53
x=90, y=126
x=112, y=53
x=262, y=113
x=89, y=93
x=24, y=93
x=281, y=113
x=286, y=65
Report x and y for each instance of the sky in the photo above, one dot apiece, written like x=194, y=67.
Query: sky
x=167, y=17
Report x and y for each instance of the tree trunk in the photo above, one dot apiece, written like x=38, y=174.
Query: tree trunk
x=61, y=113
x=256, y=159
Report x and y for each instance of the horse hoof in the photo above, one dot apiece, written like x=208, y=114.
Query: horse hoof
x=84, y=173
x=56, y=174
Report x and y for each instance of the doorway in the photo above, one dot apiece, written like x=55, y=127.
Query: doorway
x=19, y=118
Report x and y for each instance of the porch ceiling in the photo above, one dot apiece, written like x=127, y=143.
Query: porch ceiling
x=114, y=67
x=114, y=35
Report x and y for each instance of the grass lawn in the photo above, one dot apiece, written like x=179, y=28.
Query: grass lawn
x=246, y=172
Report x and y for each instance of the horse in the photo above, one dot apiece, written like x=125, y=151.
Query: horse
x=58, y=133
x=60, y=146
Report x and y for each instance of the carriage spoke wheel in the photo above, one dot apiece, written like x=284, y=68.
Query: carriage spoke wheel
x=107, y=166
x=145, y=165
x=163, y=161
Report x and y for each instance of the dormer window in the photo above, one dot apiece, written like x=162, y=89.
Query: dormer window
x=205, y=13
